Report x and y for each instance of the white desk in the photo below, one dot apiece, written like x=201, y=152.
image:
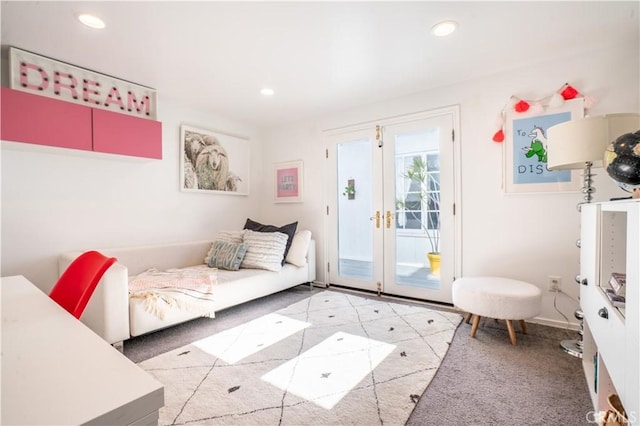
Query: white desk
x=55, y=370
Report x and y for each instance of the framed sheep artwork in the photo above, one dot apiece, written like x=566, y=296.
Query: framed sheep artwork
x=212, y=162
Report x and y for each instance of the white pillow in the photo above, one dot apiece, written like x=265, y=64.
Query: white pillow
x=264, y=250
x=299, y=247
x=234, y=237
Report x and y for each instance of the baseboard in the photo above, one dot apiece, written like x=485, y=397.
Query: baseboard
x=440, y=305
x=447, y=307
x=555, y=323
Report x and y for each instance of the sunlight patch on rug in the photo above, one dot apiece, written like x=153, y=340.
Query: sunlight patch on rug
x=327, y=372
x=244, y=340
x=333, y=358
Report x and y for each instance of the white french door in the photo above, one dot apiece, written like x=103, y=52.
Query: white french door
x=379, y=228
x=355, y=220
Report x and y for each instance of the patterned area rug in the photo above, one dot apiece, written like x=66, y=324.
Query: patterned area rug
x=333, y=358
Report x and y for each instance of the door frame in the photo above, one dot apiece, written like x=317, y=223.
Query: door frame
x=454, y=111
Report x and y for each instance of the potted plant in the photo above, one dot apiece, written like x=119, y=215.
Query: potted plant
x=350, y=190
x=424, y=207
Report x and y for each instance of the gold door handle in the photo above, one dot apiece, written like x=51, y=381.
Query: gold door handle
x=377, y=218
x=389, y=217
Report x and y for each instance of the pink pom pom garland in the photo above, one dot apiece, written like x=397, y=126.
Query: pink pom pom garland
x=537, y=106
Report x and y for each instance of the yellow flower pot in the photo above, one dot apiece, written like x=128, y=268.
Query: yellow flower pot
x=434, y=262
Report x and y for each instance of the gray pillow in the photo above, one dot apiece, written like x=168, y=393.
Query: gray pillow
x=225, y=255
x=227, y=236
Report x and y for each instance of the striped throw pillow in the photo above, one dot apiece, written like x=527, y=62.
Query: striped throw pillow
x=227, y=236
x=264, y=250
x=226, y=255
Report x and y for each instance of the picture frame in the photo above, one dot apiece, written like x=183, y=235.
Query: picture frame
x=524, y=151
x=213, y=162
x=288, y=182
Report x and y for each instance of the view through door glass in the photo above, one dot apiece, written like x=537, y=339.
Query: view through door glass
x=417, y=162
x=355, y=253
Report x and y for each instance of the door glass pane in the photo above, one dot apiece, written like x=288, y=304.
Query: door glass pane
x=355, y=206
x=417, y=162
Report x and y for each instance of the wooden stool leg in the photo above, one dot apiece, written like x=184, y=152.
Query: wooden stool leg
x=523, y=326
x=474, y=327
x=467, y=317
x=512, y=332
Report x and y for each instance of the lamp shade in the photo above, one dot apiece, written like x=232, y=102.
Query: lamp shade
x=572, y=144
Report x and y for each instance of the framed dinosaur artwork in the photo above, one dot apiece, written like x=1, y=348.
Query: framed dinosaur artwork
x=525, y=151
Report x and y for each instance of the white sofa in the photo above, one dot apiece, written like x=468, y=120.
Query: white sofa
x=113, y=316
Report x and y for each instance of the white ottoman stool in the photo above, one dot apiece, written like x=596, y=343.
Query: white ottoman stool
x=499, y=298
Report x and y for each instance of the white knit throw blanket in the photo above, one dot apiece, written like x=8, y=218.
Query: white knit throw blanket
x=188, y=289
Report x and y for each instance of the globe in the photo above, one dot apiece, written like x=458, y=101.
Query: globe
x=622, y=161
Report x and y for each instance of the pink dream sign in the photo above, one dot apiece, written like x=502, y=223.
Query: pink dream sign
x=287, y=182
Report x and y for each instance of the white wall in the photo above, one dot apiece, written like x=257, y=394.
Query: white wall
x=527, y=237
x=56, y=200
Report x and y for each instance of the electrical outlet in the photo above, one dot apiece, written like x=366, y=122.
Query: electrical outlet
x=554, y=283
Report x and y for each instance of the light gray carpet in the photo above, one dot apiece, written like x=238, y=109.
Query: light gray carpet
x=331, y=358
x=482, y=381
x=139, y=348
x=487, y=381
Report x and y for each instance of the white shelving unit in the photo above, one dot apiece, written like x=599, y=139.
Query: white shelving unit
x=610, y=242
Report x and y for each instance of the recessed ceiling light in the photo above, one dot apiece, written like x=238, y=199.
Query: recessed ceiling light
x=444, y=28
x=91, y=21
x=267, y=91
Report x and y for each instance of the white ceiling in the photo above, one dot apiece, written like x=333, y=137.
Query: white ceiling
x=319, y=57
